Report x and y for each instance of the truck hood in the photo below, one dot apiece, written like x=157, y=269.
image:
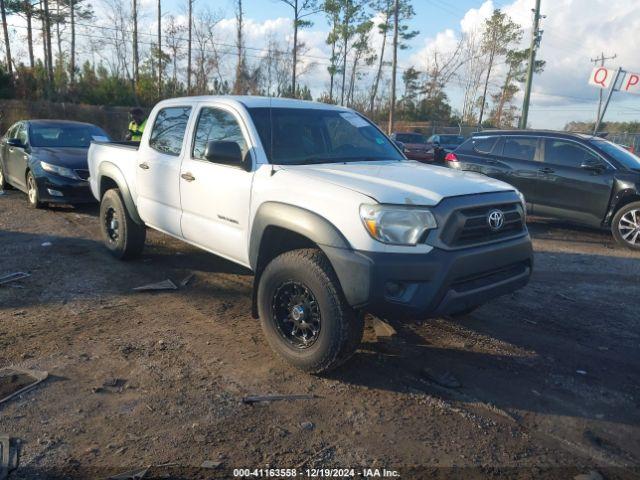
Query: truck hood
x=394, y=182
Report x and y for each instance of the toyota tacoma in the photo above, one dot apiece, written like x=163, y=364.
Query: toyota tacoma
x=325, y=210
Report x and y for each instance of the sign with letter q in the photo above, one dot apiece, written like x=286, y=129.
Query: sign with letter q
x=601, y=77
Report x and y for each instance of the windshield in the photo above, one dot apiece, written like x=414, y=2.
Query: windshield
x=452, y=139
x=79, y=136
x=410, y=138
x=296, y=136
x=622, y=155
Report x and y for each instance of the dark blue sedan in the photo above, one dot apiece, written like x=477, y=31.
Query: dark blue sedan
x=47, y=159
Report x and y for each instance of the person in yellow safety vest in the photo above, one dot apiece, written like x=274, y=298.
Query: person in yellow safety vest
x=136, y=125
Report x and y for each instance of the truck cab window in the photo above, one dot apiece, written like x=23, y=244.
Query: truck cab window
x=216, y=125
x=169, y=128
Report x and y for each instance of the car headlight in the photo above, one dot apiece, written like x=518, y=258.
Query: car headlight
x=396, y=224
x=524, y=203
x=62, y=171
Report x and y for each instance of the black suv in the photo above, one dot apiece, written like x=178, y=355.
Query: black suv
x=581, y=178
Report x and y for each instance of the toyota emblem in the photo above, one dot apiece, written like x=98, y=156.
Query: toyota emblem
x=495, y=219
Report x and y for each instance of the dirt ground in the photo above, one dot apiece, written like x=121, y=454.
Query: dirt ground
x=549, y=377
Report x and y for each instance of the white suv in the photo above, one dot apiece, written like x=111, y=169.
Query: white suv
x=322, y=206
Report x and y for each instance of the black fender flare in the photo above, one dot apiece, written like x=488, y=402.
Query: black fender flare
x=622, y=190
x=111, y=171
x=354, y=282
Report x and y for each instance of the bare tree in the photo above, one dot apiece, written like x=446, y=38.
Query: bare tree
x=7, y=44
x=174, y=41
x=206, y=53
x=472, y=69
x=301, y=10
x=189, y=44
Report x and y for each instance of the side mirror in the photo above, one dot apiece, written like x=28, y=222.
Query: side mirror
x=226, y=153
x=15, y=142
x=400, y=145
x=593, y=166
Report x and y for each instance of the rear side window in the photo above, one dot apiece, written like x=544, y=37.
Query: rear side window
x=566, y=154
x=169, y=129
x=520, y=148
x=483, y=144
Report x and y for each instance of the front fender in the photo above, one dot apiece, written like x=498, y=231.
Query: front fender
x=352, y=270
x=624, y=188
x=110, y=171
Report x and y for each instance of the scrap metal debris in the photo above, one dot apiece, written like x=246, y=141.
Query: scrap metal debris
x=383, y=329
x=131, y=475
x=210, y=464
x=13, y=277
x=186, y=280
x=151, y=287
x=9, y=455
x=276, y=398
x=444, y=379
x=16, y=381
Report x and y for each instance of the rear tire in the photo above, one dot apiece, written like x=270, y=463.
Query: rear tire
x=122, y=236
x=303, y=313
x=625, y=226
x=33, y=196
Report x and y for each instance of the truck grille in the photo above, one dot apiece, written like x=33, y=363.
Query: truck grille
x=83, y=174
x=471, y=225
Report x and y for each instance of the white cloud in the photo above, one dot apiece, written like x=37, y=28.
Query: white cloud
x=574, y=32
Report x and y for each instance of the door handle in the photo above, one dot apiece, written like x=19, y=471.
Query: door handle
x=188, y=177
x=144, y=166
x=546, y=170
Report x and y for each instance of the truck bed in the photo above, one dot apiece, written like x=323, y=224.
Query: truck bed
x=124, y=155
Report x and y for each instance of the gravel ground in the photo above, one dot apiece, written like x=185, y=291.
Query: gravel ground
x=548, y=379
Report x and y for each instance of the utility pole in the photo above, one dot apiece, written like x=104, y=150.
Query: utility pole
x=601, y=59
x=394, y=74
x=136, y=58
x=189, y=47
x=536, y=36
x=612, y=88
x=159, y=49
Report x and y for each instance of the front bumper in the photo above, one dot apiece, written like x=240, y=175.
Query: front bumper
x=58, y=189
x=438, y=283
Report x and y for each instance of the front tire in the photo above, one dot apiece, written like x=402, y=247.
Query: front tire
x=123, y=237
x=303, y=313
x=32, y=191
x=4, y=185
x=626, y=226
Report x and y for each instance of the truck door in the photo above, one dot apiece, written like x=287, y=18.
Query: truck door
x=216, y=195
x=158, y=172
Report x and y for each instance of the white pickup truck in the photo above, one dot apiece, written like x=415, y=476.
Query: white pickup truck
x=326, y=211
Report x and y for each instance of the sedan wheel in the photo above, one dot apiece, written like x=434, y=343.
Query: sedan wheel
x=32, y=191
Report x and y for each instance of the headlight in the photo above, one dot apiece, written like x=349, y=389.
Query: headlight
x=524, y=204
x=62, y=171
x=398, y=225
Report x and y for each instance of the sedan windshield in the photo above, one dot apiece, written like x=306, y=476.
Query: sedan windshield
x=296, y=136
x=411, y=138
x=622, y=155
x=452, y=139
x=79, y=136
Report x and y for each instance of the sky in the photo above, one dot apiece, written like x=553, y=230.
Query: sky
x=575, y=31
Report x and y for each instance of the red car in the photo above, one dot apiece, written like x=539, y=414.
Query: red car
x=415, y=145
